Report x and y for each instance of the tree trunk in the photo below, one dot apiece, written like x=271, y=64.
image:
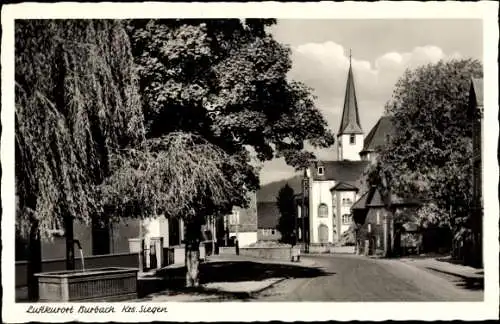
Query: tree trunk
x=214, y=234
x=192, y=250
x=34, y=260
x=70, y=243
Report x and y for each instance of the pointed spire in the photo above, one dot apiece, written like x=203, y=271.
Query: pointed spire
x=350, y=123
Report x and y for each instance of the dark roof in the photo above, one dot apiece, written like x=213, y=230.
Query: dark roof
x=268, y=215
x=270, y=191
x=373, y=198
x=344, y=186
x=376, y=200
x=377, y=135
x=477, y=91
x=350, y=122
x=361, y=202
x=345, y=171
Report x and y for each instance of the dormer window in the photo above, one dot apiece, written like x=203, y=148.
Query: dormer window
x=352, y=139
x=321, y=170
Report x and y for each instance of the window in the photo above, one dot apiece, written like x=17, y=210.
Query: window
x=378, y=217
x=387, y=138
x=56, y=228
x=321, y=170
x=234, y=218
x=346, y=219
x=272, y=232
x=352, y=139
x=369, y=228
x=323, y=211
x=378, y=241
x=346, y=202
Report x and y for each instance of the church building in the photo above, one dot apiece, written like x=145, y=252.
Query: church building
x=333, y=186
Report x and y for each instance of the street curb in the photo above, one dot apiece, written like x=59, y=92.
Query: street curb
x=258, y=291
x=479, y=277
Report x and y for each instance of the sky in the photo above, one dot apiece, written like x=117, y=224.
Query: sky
x=382, y=49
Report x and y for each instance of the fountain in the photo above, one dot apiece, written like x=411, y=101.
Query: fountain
x=82, y=260
x=99, y=284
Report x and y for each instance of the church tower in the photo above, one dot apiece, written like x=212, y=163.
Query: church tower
x=350, y=135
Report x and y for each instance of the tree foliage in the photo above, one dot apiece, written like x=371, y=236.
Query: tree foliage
x=430, y=155
x=76, y=99
x=178, y=174
x=226, y=80
x=288, y=212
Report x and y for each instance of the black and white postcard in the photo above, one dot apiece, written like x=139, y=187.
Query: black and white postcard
x=294, y=161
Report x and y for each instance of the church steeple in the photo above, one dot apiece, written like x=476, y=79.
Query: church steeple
x=350, y=123
x=350, y=135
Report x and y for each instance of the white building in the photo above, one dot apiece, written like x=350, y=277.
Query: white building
x=335, y=185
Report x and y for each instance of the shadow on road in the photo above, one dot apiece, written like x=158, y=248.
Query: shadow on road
x=253, y=271
x=173, y=279
x=471, y=283
x=461, y=281
x=234, y=271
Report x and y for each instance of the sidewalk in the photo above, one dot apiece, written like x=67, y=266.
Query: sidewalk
x=223, y=288
x=445, y=266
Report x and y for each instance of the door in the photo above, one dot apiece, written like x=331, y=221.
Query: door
x=323, y=234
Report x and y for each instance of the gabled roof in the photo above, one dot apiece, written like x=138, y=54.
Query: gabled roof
x=270, y=191
x=344, y=186
x=373, y=198
x=477, y=91
x=378, y=134
x=268, y=215
x=350, y=122
x=376, y=200
x=345, y=171
x=361, y=202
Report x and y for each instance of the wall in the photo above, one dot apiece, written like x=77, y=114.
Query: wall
x=345, y=209
x=376, y=236
x=247, y=217
x=268, y=253
x=245, y=238
x=348, y=151
x=320, y=193
x=119, y=235
x=264, y=235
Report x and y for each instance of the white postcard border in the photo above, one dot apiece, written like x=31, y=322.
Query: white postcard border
x=237, y=311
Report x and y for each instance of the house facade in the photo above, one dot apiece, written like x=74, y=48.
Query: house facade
x=476, y=113
x=242, y=223
x=380, y=227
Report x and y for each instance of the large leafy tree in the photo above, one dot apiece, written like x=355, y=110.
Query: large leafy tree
x=429, y=156
x=226, y=81
x=288, y=212
x=176, y=174
x=76, y=100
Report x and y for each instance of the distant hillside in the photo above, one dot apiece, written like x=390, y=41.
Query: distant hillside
x=269, y=192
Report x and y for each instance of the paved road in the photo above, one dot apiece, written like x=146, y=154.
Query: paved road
x=356, y=278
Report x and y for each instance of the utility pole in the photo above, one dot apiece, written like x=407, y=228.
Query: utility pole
x=303, y=209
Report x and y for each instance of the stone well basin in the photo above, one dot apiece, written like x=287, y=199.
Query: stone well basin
x=100, y=284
